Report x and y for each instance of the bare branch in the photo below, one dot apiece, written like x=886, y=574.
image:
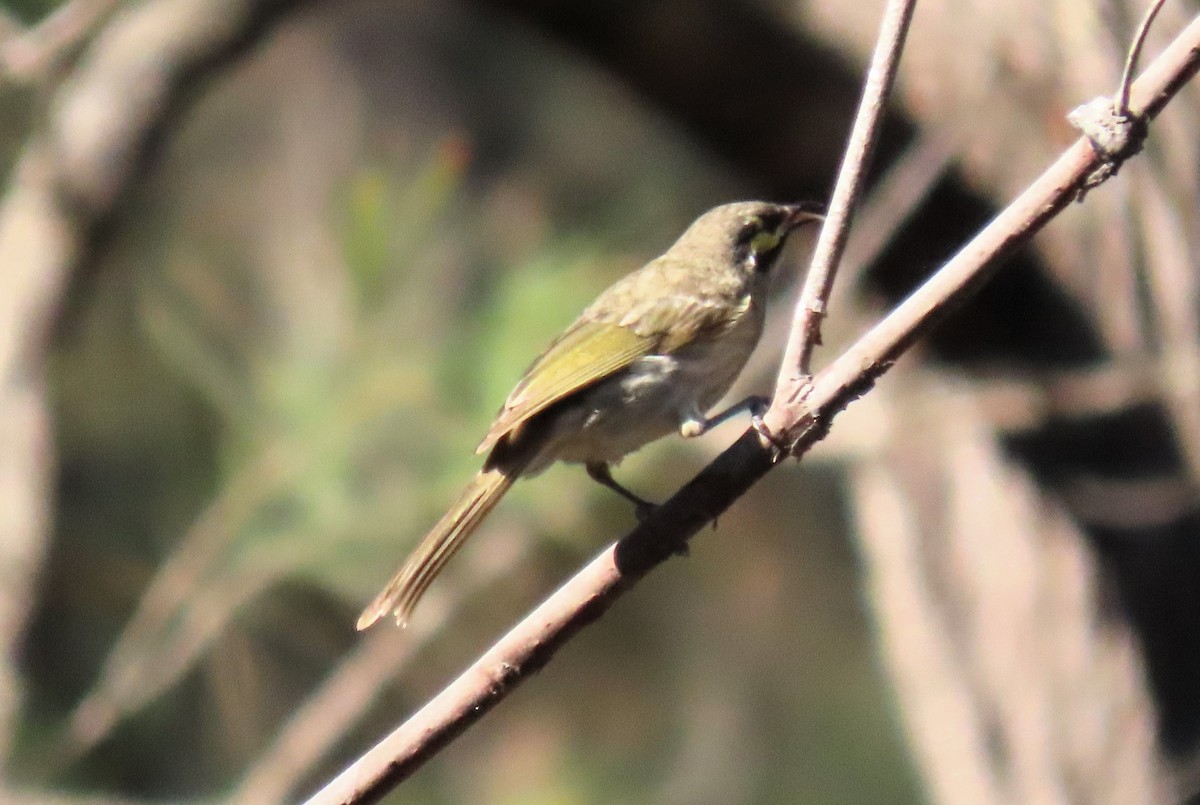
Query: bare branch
x=814, y=299
x=855, y=370
x=531, y=644
x=893, y=200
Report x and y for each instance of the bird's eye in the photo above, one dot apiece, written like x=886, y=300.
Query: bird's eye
x=761, y=235
x=759, y=239
x=752, y=227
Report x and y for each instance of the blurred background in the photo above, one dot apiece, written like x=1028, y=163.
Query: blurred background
x=268, y=268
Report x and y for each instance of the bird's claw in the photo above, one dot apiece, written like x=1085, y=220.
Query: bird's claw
x=758, y=406
x=756, y=422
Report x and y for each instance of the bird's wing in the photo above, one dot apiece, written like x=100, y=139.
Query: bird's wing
x=591, y=350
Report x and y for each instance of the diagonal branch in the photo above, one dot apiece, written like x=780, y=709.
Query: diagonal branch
x=812, y=305
x=531, y=644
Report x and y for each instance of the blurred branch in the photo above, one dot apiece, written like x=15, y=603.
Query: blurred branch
x=1015, y=684
x=896, y=196
x=10, y=28
x=1175, y=291
x=813, y=303
x=137, y=672
x=342, y=700
x=329, y=712
x=123, y=97
x=29, y=56
x=532, y=642
x=921, y=655
x=1028, y=400
x=163, y=636
x=1156, y=500
x=893, y=200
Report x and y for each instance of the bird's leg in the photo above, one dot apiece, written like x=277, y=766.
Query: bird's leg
x=599, y=472
x=695, y=424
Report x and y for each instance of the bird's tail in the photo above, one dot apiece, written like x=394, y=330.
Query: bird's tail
x=442, y=542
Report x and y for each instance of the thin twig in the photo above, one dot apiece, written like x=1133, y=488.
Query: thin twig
x=893, y=200
x=1121, y=106
x=814, y=299
x=532, y=642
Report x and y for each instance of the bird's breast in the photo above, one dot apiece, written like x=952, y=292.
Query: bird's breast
x=649, y=399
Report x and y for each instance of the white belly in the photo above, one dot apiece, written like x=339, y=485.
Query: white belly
x=649, y=400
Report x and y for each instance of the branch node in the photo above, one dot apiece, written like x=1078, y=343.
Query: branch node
x=1115, y=132
x=769, y=440
x=1115, y=137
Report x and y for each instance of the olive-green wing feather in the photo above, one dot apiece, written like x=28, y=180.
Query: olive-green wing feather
x=596, y=346
x=679, y=321
x=589, y=351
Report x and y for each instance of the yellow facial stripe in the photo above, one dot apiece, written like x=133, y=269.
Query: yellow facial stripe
x=765, y=242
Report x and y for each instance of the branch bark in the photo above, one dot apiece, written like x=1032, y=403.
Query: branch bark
x=531, y=644
x=812, y=307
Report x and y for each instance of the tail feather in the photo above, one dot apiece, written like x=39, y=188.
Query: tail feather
x=440, y=544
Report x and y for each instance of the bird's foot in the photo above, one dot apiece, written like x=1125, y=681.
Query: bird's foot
x=777, y=444
x=696, y=425
x=601, y=474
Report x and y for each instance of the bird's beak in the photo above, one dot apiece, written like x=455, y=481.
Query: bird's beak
x=803, y=213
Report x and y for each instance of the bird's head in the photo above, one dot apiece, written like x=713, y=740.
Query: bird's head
x=747, y=235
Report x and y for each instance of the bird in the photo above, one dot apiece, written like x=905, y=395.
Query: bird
x=652, y=353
